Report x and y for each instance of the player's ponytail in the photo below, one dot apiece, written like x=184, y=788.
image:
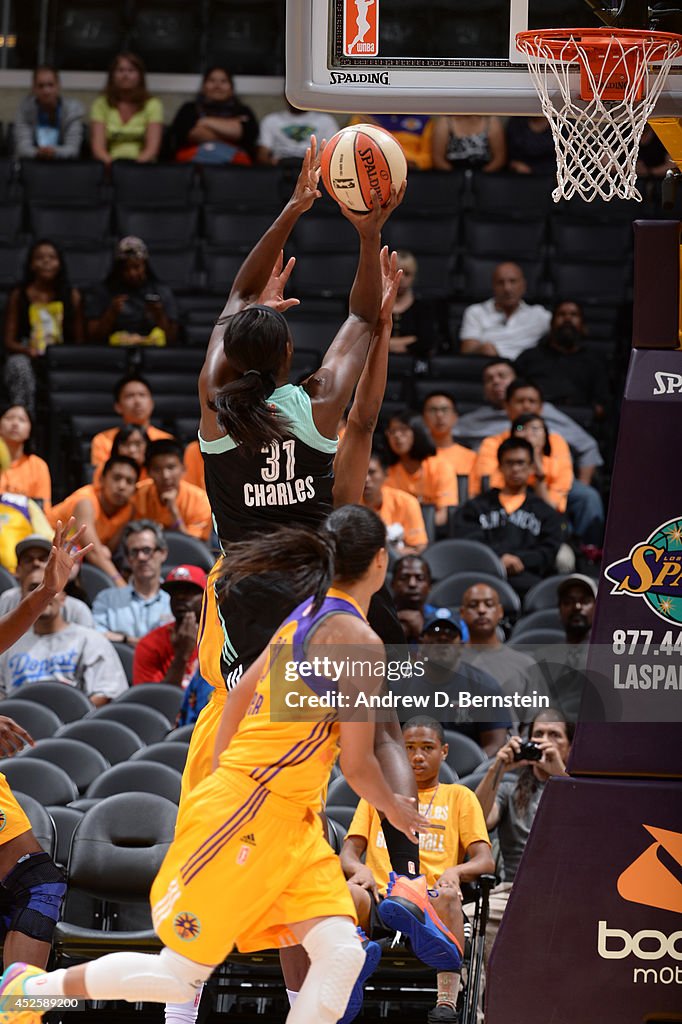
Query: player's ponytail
x=256, y=344
x=358, y=533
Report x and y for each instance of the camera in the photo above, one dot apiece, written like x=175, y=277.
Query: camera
x=152, y=297
x=529, y=751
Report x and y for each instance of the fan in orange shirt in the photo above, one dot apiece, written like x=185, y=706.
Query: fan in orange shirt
x=440, y=415
x=167, y=498
x=396, y=509
x=414, y=467
x=552, y=476
x=132, y=441
x=26, y=474
x=134, y=403
x=194, y=465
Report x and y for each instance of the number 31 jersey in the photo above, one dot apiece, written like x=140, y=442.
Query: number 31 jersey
x=289, y=482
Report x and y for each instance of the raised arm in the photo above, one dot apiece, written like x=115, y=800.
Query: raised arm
x=352, y=457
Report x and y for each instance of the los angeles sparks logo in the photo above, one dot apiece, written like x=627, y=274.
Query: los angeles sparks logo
x=187, y=925
x=653, y=571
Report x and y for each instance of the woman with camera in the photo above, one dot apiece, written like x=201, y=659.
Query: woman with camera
x=510, y=804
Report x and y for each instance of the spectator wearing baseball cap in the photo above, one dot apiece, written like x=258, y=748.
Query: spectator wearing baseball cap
x=132, y=307
x=32, y=553
x=168, y=654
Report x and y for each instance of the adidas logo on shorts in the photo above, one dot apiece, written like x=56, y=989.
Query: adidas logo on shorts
x=250, y=839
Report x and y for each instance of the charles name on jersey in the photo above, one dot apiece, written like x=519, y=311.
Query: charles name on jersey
x=288, y=492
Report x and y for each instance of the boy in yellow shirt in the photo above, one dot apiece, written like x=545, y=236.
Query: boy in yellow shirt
x=458, y=831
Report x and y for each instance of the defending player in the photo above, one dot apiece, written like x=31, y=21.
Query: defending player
x=33, y=886
x=227, y=877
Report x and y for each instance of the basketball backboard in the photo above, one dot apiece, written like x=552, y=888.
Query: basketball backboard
x=438, y=56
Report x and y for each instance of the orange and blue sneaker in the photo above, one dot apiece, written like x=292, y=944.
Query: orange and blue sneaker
x=12, y=990
x=372, y=958
x=407, y=909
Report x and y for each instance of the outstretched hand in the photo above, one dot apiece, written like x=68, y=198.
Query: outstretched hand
x=273, y=293
x=374, y=219
x=390, y=281
x=306, y=191
x=405, y=816
x=64, y=555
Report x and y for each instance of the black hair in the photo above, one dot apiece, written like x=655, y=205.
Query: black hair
x=255, y=343
x=528, y=417
x=125, y=433
x=129, y=378
x=164, y=446
x=379, y=455
x=217, y=67
x=123, y=460
x=425, y=722
x=422, y=445
x=527, y=784
x=521, y=382
x=28, y=443
x=62, y=290
x=512, y=444
x=440, y=393
x=45, y=67
x=116, y=281
x=566, y=301
x=498, y=361
x=398, y=564
x=343, y=549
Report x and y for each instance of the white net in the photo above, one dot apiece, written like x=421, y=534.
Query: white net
x=597, y=139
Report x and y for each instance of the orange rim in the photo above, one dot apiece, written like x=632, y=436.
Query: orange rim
x=594, y=41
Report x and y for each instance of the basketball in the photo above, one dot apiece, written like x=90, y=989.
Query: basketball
x=358, y=159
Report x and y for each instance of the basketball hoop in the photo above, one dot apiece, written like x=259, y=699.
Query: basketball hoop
x=597, y=132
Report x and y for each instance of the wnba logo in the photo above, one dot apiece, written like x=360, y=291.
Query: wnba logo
x=361, y=28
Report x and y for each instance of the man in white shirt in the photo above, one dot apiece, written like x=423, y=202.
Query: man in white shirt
x=32, y=553
x=504, y=325
x=54, y=649
x=285, y=134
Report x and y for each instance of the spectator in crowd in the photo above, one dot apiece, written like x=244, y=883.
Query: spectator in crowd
x=21, y=517
x=439, y=413
x=54, y=649
x=169, y=653
x=504, y=325
x=126, y=123
x=413, y=466
x=134, y=403
x=410, y=587
x=444, y=670
x=132, y=307
x=124, y=614
x=104, y=508
x=552, y=476
x=482, y=611
x=169, y=500
x=560, y=669
x=653, y=160
x=461, y=853
x=32, y=553
x=530, y=146
x=400, y=512
x=216, y=127
x=468, y=142
x=194, y=465
x=413, y=131
x=42, y=310
x=26, y=474
x=132, y=441
x=510, y=802
x=584, y=505
x=47, y=125
x=521, y=528
x=567, y=374
x=285, y=134
x=419, y=325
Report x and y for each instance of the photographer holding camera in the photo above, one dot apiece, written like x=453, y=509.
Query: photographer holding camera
x=510, y=805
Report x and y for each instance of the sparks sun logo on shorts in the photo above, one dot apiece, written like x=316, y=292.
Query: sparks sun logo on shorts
x=3, y=819
x=361, y=28
x=653, y=571
x=655, y=877
x=186, y=925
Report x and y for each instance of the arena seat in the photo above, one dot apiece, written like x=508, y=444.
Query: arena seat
x=166, y=34
x=10, y=188
x=171, y=360
x=79, y=183
x=504, y=239
x=87, y=34
x=71, y=226
x=176, y=267
x=115, y=741
x=510, y=195
x=313, y=234
x=238, y=232
x=464, y=754
x=314, y=335
x=186, y=550
x=450, y=590
x=91, y=357
x=126, y=654
x=87, y=266
x=183, y=734
x=538, y=638
x=42, y=822
x=446, y=557
x=436, y=193
x=69, y=381
x=582, y=280
x=162, y=696
x=149, y=724
x=242, y=189
x=11, y=220
x=221, y=270
x=463, y=391
x=80, y=761
x=44, y=781
x=340, y=794
x=478, y=274
x=159, y=226
x=153, y=185
x=137, y=777
x=423, y=236
x=116, y=852
x=172, y=754
x=459, y=368
x=7, y=580
x=93, y=579
x=246, y=36
x=40, y=722
x=12, y=259
x=573, y=239
x=327, y=275
x=65, y=821
x=543, y=595
x=335, y=834
x=545, y=618
x=601, y=212
x=67, y=702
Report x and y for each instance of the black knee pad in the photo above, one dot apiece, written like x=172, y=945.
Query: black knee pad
x=33, y=893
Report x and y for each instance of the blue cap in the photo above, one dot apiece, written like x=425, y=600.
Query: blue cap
x=442, y=619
